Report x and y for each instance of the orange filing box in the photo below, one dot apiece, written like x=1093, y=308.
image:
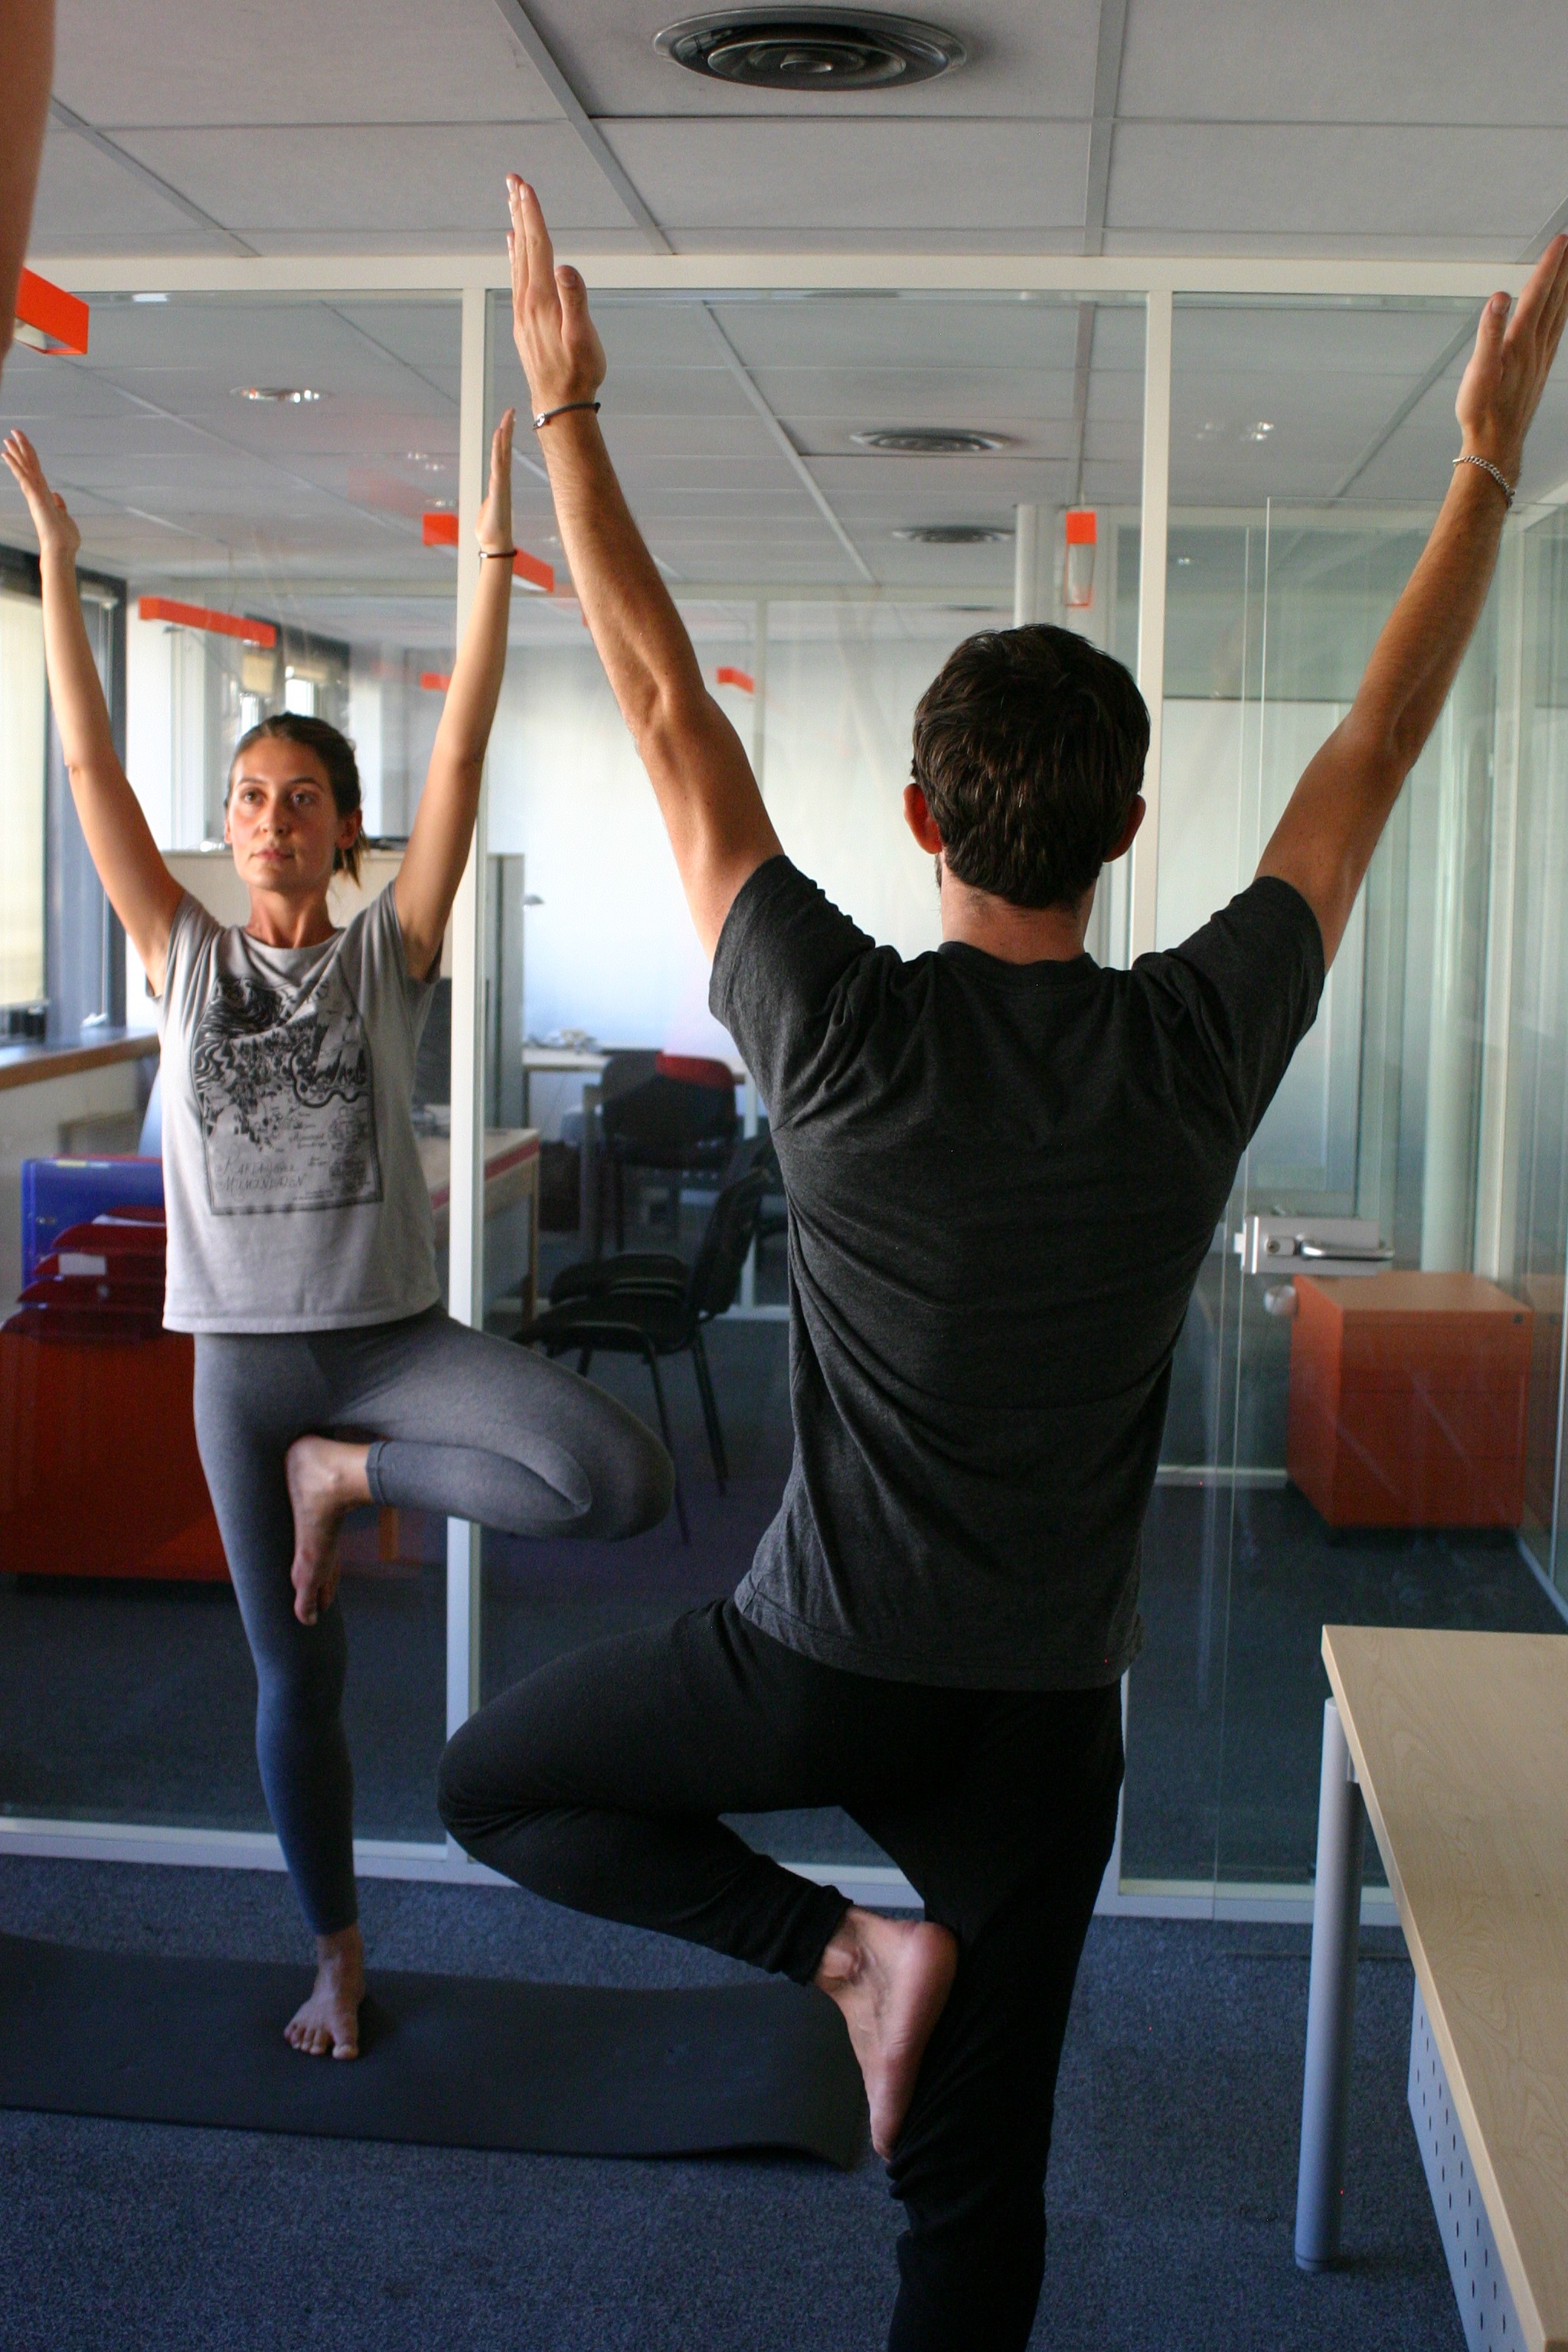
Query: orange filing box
x=1408, y=1398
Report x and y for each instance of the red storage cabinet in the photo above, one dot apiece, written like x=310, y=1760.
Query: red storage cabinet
x=1408, y=1399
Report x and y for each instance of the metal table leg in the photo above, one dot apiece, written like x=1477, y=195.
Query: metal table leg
x=1330, y=2002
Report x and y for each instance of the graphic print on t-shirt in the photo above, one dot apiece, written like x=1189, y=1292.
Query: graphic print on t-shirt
x=287, y=1105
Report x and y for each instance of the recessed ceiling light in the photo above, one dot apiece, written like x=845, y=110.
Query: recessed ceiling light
x=929, y=441
x=149, y=298
x=1258, y=432
x=811, y=48
x=293, y=396
x=954, y=534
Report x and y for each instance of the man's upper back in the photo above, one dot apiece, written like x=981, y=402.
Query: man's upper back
x=1003, y=1180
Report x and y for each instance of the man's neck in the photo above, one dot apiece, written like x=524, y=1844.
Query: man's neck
x=1011, y=934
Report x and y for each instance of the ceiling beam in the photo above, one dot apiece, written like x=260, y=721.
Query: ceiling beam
x=1102, y=127
x=529, y=39
x=81, y=128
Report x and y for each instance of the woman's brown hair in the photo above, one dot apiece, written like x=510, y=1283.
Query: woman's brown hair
x=336, y=754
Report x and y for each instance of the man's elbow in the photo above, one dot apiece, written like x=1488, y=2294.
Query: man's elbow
x=669, y=724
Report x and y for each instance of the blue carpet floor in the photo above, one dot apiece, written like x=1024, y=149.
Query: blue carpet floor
x=1170, y=2200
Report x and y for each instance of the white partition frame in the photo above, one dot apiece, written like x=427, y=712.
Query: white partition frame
x=1158, y=282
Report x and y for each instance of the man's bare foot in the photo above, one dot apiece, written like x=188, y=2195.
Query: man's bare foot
x=326, y=1479
x=890, y=1979
x=328, y=2021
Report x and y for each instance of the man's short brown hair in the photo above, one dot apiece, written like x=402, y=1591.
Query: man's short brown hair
x=1029, y=747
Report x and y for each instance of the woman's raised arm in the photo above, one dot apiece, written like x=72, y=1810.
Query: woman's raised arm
x=141, y=891
x=437, y=847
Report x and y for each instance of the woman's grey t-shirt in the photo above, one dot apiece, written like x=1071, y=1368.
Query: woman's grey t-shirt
x=1003, y=1181
x=292, y=1180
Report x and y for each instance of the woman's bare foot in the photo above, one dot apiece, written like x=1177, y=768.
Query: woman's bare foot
x=326, y=1479
x=889, y=1979
x=328, y=2021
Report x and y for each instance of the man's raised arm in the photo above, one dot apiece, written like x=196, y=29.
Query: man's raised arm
x=708, y=796
x=1323, y=843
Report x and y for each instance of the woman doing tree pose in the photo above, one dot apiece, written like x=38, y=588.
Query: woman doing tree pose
x=299, y=1241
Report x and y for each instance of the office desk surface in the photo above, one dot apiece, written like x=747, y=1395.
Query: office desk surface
x=1460, y=1745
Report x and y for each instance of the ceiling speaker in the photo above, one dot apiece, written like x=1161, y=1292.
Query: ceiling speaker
x=811, y=48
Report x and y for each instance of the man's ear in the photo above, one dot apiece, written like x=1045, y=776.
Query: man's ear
x=921, y=822
x=1129, y=833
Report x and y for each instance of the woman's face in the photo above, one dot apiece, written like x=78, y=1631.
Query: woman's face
x=281, y=821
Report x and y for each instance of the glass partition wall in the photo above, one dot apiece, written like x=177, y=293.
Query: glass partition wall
x=839, y=484
x=250, y=476
x=1363, y=1424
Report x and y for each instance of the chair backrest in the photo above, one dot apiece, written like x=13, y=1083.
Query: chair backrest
x=721, y=1253
x=698, y=1070
x=664, y=1114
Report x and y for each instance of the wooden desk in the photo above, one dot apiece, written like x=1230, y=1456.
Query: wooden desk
x=1456, y=1744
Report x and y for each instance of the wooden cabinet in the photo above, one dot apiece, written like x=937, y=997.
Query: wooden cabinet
x=1408, y=1401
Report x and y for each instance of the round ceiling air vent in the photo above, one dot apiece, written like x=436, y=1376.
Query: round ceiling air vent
x=954, y=534
x=811, y=48
x=929, y=441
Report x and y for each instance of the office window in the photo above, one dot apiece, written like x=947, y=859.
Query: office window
x=22, y=719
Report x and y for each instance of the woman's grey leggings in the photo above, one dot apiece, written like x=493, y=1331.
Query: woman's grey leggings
x=463, y=1423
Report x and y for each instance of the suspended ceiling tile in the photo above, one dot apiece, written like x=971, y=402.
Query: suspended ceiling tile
x=830, y=403
x=674, y=392
x=88, y=203
x=1028, y=58
x=643, y=438
x=432, y=176
x=1314, y=182
x=1248, y=339
x=249, y=61
x=1407, y=61
x=896, y=331
x=903, y=175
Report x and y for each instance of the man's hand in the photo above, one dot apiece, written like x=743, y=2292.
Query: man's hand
x=706, y=794
x=557, y=341
x=1503, y=386
x=1323, y=843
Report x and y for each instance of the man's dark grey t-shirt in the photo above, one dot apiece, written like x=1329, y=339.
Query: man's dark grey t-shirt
x=1003, y=1180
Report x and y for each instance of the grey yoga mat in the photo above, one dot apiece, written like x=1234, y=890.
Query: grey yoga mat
x=449, y=2062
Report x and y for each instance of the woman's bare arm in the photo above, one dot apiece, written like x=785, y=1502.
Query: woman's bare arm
x=141, y=891
x=438, y=845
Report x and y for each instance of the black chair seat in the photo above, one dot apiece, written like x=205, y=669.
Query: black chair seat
x=650, y=1303
x=624, y=1322
x=660, y=1269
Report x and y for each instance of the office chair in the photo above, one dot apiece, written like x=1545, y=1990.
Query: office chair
x=672, y=1112
x=648, y=1304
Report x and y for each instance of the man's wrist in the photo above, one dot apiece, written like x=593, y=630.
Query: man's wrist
x=1497, y=450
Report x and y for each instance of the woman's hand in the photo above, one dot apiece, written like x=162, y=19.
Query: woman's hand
x=58, y=533
x=557, y=341
x=1512, y=359
x=494, y=527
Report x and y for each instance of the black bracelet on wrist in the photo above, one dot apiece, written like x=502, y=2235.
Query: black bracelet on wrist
x=495, y=551
x=542, y=419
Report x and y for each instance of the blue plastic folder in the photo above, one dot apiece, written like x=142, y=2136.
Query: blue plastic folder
x=57, y=1194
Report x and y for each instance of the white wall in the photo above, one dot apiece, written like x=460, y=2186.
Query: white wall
x=611, y=950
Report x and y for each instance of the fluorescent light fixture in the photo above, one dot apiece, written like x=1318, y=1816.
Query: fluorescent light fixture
x=289, y=395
